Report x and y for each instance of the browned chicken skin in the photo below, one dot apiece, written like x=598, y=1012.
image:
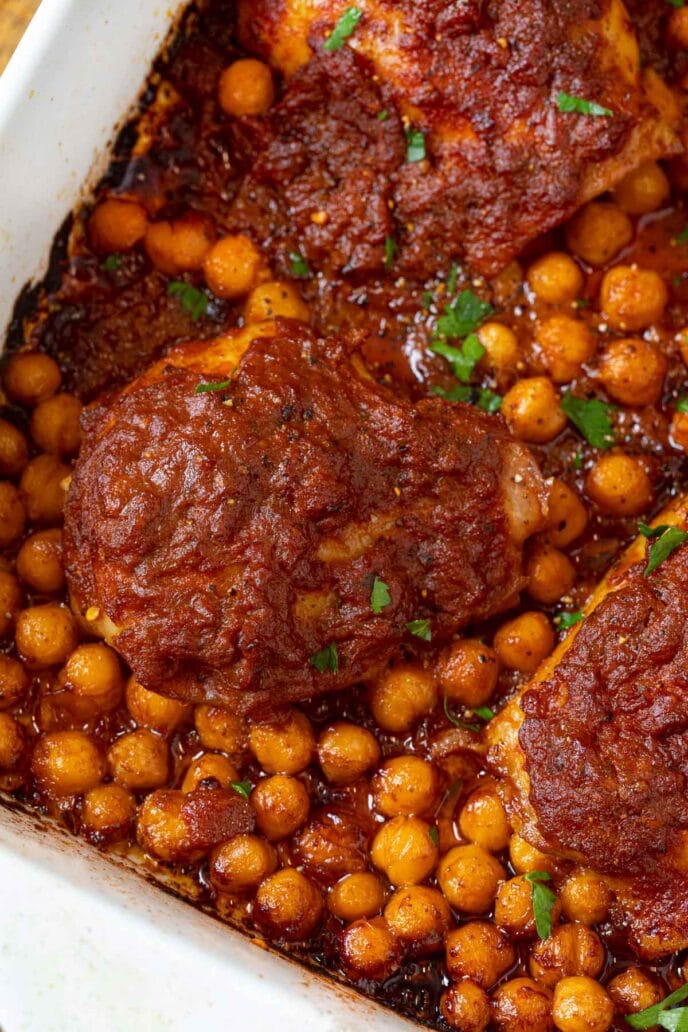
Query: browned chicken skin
x=221, y=539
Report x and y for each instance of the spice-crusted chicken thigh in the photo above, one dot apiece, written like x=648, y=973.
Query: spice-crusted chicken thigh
x=482, y=81
x=595, y=748
x=227, y=541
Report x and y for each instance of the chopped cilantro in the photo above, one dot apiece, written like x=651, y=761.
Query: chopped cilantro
x=659, y=1014
x=452, y=279
x=577, y=460
x=193, y=300
x=326, y=659
x=592, y=417
x=427, y=298
x=383, y=116
x=543, y=901
x=455, y=720
x=344, y=28
x=682, y=237
x=463, y=315
x=243, y=788
x=464, y=359
x=566, y=620
x=682, y=403
x=415, y=145
x=112, y=263
x=665, y=541
x=299, y=265
x=205, y=388
x=434, y=836
x=568, y=104
x=420, y=629
x=391, y=251
x=484, y=712
x=483, y=397
x=379, y=595
x=676, y=3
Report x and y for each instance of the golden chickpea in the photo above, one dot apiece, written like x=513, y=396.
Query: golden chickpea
x=480, y=951
x=555, y=278
x=501, y=346
x=161, y=829
x=567, y=517
x=571, y=949
x=66, y=763
x=210, y=767
x=465, y=1007
x=566, y=344
x=108, y=814
x=632, y=371
x=232, y=266
x=635, y=989
x=483, y=819
x=522, y=643
x=368, y=949
x=11, y=601
x=598, y=232
x=14, y=451
x=469, y=877
x=93, y=671
x=521, y=1005
x=632, y=298
x=419, y=917
x=276, y=299
x=532, y=410
x=581, y=1005
x=43, y=486
x=219, y=729
x=12, y=742
x=55, y=424
x=677, y=28
x=405, y=785
x=282, y=804
x=288, y=906
x=241, y=864
x=643, y=189
x=30, y=377
x=180, y=245
x=679, y=430
x=619, y=485
x=116, y=225
x=526, y=858
x=356, y=895
x=404, y=850
x=246, y=88
x=551, y=574
x=39, y=562
x=585, y=898
x=45, y=635
x=283, y=746
x=346, y=752
x=467, y=672
x=14, y=681
x=400, y=697
x=150, y=709
x=139, y=760
x=12, y=514
x=514, y=908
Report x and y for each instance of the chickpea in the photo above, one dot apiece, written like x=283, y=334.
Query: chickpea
x=356, y=895
x=469, y=877
x=276, y=299
x=514, y=908
x=571, y=949
x=369, y=950
x=108, y=814
x=526, y=858
x=401, y=696
x=521, y=1005
x=14, y=682
x=11, y=600
x=161, y=829
x=180, y=245
x=405, y=785
x=501, y=346
x=219, y=729
x=619, y=484
x=30, y=377
x=581, y=1005
x=12, y=742
x=677, y=28
x=39, y=562
x=522, y=643
x=404, y=850
x=419, y=917
x=632, y=298
x=346, y=752
x=283, y=746
x=210, y=767
x=551, y=575
x=465, y=1007
x=12, y=514
x=139, y=760
x=555, y=278
x=44, y=485
x=480, y=951
x=93, y=672
x=483, y=819
x=567, y=517
x=282, y=804
x=566, y=344
x=246, y=88
x=241, y=864
x=66, y=763
x=598, y=232
x=232, y=266
x=632, y=371
x=643, y=189
x=55, y=425
x=45, y=635
x=585, y=898
x=149, y=709
x=288, y=906
x=14, y=451
x=635, y=989
x=531, y=408
x=467, y=672
x=679, y=430
x=116, y=225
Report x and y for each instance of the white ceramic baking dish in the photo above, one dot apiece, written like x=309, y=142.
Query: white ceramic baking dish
x=86, y=943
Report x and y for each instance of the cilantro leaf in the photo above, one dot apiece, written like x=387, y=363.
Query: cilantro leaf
x=455, y=720
x=665, y=541
x=420, y=629
x=674, y=1020
x=205, y=388
x=463, y=315
x=452, y=278
x=682, y=403
x=483, y=397
x=592, y=417
x=484, y=712
x=379, y=596
x=543, y=901
x=658, y=1015
x=568, y=103
x=111, y=263
x=566, y=620
x=299, y=266
x=464, y=359
x=415, y=145
x=577, y=460
x=434, y=836
x=344, y=28
x=391, y=251
x=193, y=300
x=243, y=788
x=383, y=115
x=326, y=659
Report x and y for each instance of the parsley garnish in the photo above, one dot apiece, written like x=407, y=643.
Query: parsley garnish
x=383, y=116
x=344, y=28
x=427, y=298
x=665, y=540
x=592, y=417
x=299, y=265
x=434, y=835
x=566, y=620
x=391, y=251
x=415, y=145
x=568, y=104
x=682, y=403
x=463, y=315
x=190, y=298
x=484, y=712
x=675, y=1021
x=243, y=788
x=455, y=720
x=326, y=659
x=379, y=595
x=464, y=359
x=483, y=397
x=112, y=262
x=205, y=388
x=577, y=460
x=420, y=629
x=452, y=278
x=543, y=901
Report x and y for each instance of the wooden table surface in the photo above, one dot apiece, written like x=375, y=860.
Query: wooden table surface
x=15, y=15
